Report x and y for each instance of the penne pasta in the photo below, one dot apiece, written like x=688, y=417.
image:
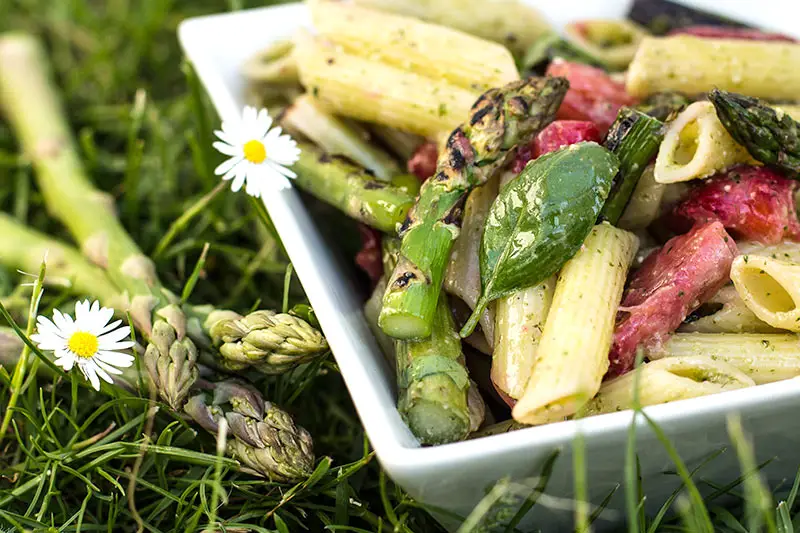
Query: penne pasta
x=518, y=327
x=338, y=137
x=791, y=110
x=785, y=251
x=573, y=352
x=693, y=65
x=770, y=288
x=352, y=86
x=643, y=207
x=764, y=358
x=697, y=145
x=732, y=317
x=510, y=22
x=430, y=50
x=612, y=42
x=668, y=380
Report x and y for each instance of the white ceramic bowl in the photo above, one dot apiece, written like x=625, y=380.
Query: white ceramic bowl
x=454, y=477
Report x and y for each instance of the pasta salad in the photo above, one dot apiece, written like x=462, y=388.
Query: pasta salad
x=550, y=220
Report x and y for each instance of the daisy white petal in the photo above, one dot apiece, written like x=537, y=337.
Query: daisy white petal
x=66, y=363
x=241, y=175
x=105, y=367
x=90, y=374
x=114, y=336
x=249, y=116
x=226, y=149
x=110, y=326
x=225, y=166
x=263, y=123
x=101, y=372
x=283, y=171
x=122, y=360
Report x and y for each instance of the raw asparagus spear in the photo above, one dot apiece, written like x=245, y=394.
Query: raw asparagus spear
x=267, y=439
x=351, y=188
x=771, y=137
x=23, y=248
x=88, y=214
x=271, y=342
x=499, y=120
x=634, y=138
x=336, y=136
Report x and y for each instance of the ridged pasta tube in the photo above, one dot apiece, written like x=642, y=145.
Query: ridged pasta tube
x=643, y=207
x=352, y=86
x=770, y=288
x=765, y=358
x=518, y=328
x=338, y=137
x=613, y=42
x=784, y=251
x=733, y=317
x=573, y=353
x=431, y=50
x=697, y=145
x=510, y=22
x=694, y=65
x=668, y=380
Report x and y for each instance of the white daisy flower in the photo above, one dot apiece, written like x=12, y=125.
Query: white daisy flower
x=259, y=154
x=89, y=341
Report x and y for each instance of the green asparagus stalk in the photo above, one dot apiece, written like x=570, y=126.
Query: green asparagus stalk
x=89, y=216
x=351, y=188
x=436, y=397
x=275, y=345
x=499, y=120
x=336, y=136
x=634, y=138
x=23, y=248
x=69, y=195
x=433, y=382
x=770, y=136
x=663, y=105
x=271, y=342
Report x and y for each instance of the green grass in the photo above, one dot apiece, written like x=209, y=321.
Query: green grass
x=77, y=460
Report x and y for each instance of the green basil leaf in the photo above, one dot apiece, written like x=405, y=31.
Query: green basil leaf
x=541, y=218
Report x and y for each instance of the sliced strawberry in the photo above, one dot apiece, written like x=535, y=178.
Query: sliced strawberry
x=556, y=135
x=593, y=95
x=754, y=203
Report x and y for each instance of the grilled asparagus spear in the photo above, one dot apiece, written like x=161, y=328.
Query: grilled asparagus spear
x=499, y=120
x=351, y=188
x=770, y=136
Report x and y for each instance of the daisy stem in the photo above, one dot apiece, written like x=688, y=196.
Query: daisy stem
x=29, y=99
x=22, y=363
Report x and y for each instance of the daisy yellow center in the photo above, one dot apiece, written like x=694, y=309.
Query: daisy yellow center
x=255, y=152
x=83, y=344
